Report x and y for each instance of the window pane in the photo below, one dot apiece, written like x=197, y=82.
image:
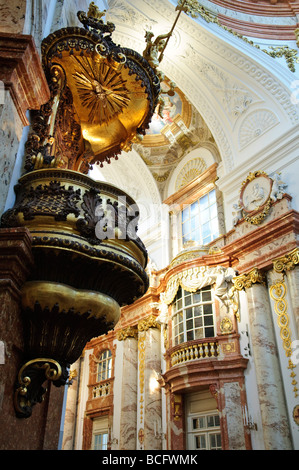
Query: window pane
x=209, y=332
x=211, y=421
x=206, y=296
x=100, y=442
x=185, y=214
x=199, y=423
x=194, y=223
x=208, y=320
x=200, y=442
x=206, y=230
x=188, y=300
x=189, y=324
x=190, y=335
x=198, y=333
x=212, y=196
x=205, y=216
x=188, y=313
x=198, y=310
x=196, y=235
x=204, y=202
x=194, y=208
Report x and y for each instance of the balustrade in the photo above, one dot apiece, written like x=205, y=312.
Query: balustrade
x=193, y=351
x=101, y=390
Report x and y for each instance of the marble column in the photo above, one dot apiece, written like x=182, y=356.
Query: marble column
x=152, y=406
x=289, y=265
x=128, y=416
x=269, y=381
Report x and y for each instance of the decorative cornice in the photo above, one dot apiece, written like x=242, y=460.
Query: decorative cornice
x=22, y=74
x=287, y=262
x=255, y=276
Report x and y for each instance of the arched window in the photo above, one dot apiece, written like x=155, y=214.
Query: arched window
x=104, y=366
x=193, y=315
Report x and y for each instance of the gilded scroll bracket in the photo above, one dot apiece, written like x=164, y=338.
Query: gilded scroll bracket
x=29, y=388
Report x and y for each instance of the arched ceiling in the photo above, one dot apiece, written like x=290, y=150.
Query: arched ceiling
x=232, y=96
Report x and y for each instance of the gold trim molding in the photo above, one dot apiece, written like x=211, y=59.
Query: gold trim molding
x=278, y=293
x=255, y=276
x=287, y=262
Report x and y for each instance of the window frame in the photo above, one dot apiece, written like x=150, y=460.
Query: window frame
x=197, y=219
x=180, y=328
x=104, y=373
x=205, y=431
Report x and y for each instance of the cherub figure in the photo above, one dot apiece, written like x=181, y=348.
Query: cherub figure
x=237, y=213
x=278, y=188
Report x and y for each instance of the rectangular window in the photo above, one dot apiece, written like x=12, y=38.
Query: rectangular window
x=204, y=432
x=100, y=433
x=100, y=441
x=193, y=315
x=104, y=366
x=200, y=220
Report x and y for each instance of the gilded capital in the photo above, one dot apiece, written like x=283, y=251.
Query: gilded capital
x=129, y=332
x=149, y=322
x=255, y=276
x=287, y=262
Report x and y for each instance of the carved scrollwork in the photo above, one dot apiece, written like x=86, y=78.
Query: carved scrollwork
x=93, y=213
x=29, y=388
x=51, y=199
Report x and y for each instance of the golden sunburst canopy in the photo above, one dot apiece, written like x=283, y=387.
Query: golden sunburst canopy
x=102, y=98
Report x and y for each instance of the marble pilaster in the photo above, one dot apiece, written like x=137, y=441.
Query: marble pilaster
x=269, y=381
x=233, y=415
x=149, y=330
x=128, y=416
x=153, y=404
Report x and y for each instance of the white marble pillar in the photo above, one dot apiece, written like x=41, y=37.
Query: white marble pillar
x=128, y=416
x=269, y=381
x=152, y=391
